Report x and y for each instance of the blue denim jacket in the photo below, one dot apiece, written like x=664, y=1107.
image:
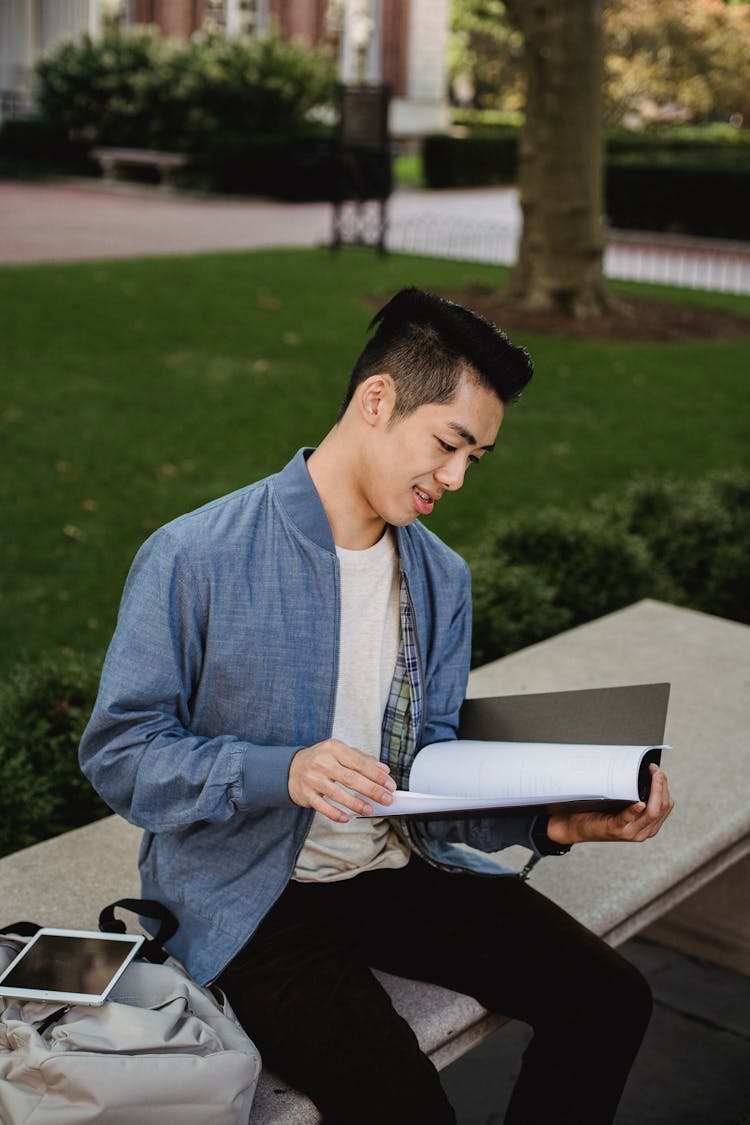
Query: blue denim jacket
x=223, y=665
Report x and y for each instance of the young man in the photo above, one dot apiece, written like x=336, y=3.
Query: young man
x=280, y=656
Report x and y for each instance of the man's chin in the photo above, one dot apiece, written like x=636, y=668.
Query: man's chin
x=404, y=520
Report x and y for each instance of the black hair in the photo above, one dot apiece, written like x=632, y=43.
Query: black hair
x=427, y=343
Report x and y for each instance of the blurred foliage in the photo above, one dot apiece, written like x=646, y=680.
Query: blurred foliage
x=699, y=533
x=44, y=707
x=671, y=60
x=485, y=56
x=484, y=157
x=135, y=87
x=674, y=56
x=689, y=191
x=676, y=541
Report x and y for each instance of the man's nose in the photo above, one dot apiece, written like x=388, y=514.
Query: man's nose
x=451, y=474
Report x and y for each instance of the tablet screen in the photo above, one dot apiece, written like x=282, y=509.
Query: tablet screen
x=69, y=964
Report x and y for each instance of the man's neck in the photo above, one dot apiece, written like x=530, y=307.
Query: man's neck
x=334, y=472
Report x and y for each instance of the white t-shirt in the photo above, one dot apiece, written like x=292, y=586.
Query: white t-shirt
x=368, y=647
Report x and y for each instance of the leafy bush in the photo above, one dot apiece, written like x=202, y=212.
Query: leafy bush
x=481, y=120
x=513, y=606
x=118, y=89
x=134, y=87
x=702, y=192
x=308, y=169
x=677, y=541
x=700, y=533
x=567, y=568
x=715, y=137
x=473, y=161
x=249, y=86
x=30, y=146
x=44, y=708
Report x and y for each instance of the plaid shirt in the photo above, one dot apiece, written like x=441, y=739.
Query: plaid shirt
x=403, y=716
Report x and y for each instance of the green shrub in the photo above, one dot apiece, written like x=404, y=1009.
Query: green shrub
x=471, y=161
x=700, y=533
x=29, y=146
x=677, y=541
x=479, y=120
x=263, y=165
x=261, y=86
x=308, y=169
x=134, y=87
x=583, y=565
x=44, y=708
x=703, y=193
x=513, y=606
x=117, y=89
x=717, y=137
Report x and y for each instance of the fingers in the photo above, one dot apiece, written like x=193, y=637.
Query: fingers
x=329, y=771
x=641, y=821
x=636, y=823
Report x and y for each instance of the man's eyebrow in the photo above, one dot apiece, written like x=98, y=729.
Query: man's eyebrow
x=468, y=437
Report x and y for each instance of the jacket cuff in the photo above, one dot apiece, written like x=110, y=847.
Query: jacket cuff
x=540, y=841
x=263, y=780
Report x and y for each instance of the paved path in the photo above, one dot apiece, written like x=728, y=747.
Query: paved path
x=43, y=222
x=74, y=220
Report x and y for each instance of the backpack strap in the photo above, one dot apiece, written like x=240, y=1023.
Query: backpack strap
x=152, y=949
x=23, y=929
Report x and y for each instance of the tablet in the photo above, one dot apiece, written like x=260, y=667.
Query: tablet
x=69, y=966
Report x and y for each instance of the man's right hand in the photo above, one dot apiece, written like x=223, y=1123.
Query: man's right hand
x=328, y=771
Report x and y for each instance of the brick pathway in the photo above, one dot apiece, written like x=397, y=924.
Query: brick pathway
x=92, y=219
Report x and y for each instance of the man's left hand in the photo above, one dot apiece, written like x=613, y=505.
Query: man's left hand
x=635, y=823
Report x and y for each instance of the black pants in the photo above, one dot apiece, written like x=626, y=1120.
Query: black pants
x=303, y=990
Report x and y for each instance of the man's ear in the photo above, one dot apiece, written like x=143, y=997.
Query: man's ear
x=376, y=398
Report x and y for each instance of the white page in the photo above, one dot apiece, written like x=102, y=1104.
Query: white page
x=465, y=774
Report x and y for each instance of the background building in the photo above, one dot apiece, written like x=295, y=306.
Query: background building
x=401, y=42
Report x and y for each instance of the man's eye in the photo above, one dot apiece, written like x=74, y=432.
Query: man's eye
x=448, y=448
x=474, y=460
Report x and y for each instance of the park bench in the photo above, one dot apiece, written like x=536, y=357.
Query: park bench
x=616, y=891
x=115, y=162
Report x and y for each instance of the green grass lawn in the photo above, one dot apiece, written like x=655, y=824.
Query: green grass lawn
x=132, y=391
x=407, y=170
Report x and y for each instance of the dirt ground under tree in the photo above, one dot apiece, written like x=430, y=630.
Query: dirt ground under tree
x=632, y=319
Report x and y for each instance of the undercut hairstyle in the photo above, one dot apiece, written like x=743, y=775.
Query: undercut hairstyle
x=427, y=344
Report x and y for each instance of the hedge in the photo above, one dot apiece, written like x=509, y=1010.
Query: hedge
x=135, y=87
x=44, y=707
x=32, y=146
x=695, y=185
x=682, y=192
x=247, y=112
x=304, y=168
x=676, y=541
x=474, y=161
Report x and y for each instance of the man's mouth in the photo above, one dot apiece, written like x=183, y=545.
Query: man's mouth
x=425, y=502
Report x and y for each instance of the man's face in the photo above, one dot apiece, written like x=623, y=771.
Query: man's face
x=415, y=459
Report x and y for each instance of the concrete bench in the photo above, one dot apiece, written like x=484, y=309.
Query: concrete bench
x=616, y=891
x=116, y=161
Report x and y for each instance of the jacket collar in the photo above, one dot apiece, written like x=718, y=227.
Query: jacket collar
x=299, y=498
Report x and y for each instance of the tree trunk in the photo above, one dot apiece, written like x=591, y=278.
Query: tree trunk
x=561, y=158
